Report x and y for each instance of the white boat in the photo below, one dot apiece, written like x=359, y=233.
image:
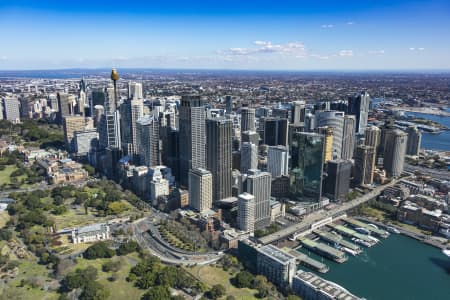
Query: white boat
x=349, y=251
x=373, y=225
x=373, y=239
x=361, y=242
x=446, y=252
x=392, y=229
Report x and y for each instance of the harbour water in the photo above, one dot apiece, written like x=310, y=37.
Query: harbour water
x=435, y=141
x=397, y=268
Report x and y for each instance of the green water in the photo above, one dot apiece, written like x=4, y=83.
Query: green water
x=397, y=268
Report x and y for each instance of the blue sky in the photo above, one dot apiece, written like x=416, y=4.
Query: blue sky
x=291, y=35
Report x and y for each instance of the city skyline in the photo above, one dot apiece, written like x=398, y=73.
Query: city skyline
x=291, y=35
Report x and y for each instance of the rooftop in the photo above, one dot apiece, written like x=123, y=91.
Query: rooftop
x=276, y=253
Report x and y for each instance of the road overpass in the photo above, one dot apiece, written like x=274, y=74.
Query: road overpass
x=317, y=216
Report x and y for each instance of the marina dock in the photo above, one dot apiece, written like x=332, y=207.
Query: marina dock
x=337, y=239
x=307, y=261
x=324, y=250
x=366, y=240
x=372, y=229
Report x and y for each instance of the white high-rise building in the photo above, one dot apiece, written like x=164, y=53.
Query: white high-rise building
x=278, y=161
x=135, y=90
x=394, y=152
x=158, y=185
x=200, y=189
x=246, y=212
x=249, y=157
x=334, y=119
x=258, y=184
x=11, y=111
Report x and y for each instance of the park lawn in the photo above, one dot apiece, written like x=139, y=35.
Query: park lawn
x=376, y=213
x=6, y=173
x=211, y=275
x=29, y=269
x=75, y=217
x=119, y=289
x=4, y=218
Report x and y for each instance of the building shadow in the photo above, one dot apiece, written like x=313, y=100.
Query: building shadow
x=442, y=263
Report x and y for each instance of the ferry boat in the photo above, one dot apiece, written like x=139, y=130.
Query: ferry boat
x=361, y=242
x=373, y=239
x=392, y=230
x=349, y=251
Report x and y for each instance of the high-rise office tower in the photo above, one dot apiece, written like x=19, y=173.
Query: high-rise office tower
x=248, y=119
x=85, y=141
x=348, y=137
x=192, y=136
x=71, y=124
x=249, y=157
x=125, y=128
x=299, y=112
x=147, y=133
x=372, y=136
x=66, y=105
x=259, y=185
x=109, y=127
x=358, y=105
x=200, y=189
x=246, y=212
x=337, y=182
x=334, y=119
x=98, y=97
x=11, y=109
x=327, y=132
x=229, y=104
x=135, y=90
x=250, y=136
x=414, y=140
x=275, y=131
x=159, y=186
x=82, y=98
x=394, y=152
x=364, y=164
x=219, y=155
x=278, y=161
x=307, y=166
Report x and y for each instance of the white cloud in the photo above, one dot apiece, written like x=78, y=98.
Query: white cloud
x=421, y=49
x=412, y=49
x=267, y=47
x=350, y=23
x=377, y=52
x=327, y=26
x=345, y=53
x=318, y=56
x=3, y=58
x=416, y=49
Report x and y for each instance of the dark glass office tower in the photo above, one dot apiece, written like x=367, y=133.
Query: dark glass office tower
x=306, y=175
x=275, y=131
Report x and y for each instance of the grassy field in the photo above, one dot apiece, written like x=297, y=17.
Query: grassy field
x=75, y=217
x=212, y=275
x=5, y=174
x=119, y=289
x=4, y=218
x=30, y=272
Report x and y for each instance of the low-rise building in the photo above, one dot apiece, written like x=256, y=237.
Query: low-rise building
x=91, y=233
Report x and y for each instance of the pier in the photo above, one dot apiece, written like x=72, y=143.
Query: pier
x=366, y=240
x=307, y=261
x=337, y=239
x=372, y=229
x=324, y=250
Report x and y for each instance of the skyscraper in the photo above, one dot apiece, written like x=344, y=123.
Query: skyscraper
x=135, y=90
x=348, y=137
x=394, y=152
x=358, y=105
x=10, y=109
x=278, y=161
x=364, y=165
x=258, y=184
x=147, y=133
x=334, y=119
x=327, y=132
x=229, y=104
x=192, y=136
x=414, y=140
x=337, y=182
x=109, y=127
x=373, y=136
x=71, y=124
x=247, y=119
x=246, y=212
x=299, y=112
x=275, y=131
x=200, y=189
x=249, y=157
x=66, y=104
x=219, y=155
x=306, y=173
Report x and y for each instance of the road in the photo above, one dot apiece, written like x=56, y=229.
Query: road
x=165, y=253
x=442, y=174
x=321, y=214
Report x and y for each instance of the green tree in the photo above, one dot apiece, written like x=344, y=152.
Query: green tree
x=243, y=279
x=94, y=291
x=160, y=292
x=98, y=250
x=293, y=297
x=217, y=291
x=128, y=247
